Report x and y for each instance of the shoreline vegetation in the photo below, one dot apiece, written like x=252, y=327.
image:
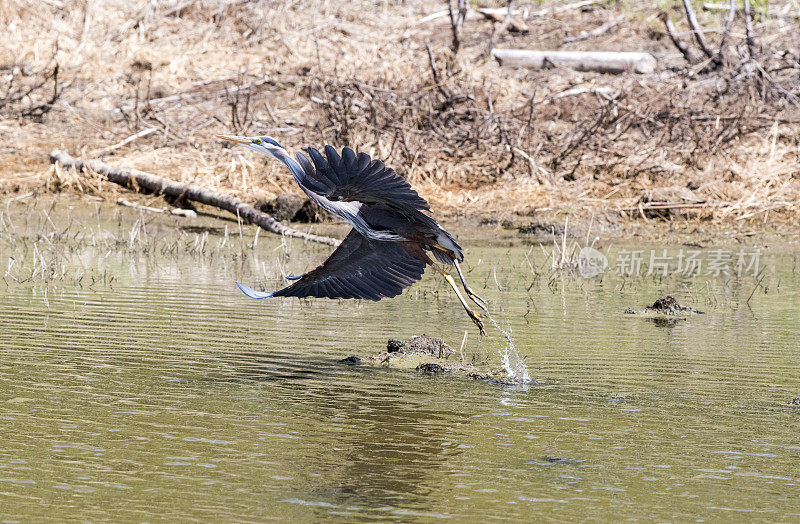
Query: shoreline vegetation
x=708, y=139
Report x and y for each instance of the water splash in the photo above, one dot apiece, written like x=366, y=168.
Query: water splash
x=512, y=363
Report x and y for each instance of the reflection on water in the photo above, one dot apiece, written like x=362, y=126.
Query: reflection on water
x=137, y=383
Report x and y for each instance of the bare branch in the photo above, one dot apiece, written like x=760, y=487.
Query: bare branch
x=696, y=29
x=788, y=94
x=436, y=78
x=498, y=30
x=456, y=21
x=721, y=58
x=680, y=44
x=748, y=26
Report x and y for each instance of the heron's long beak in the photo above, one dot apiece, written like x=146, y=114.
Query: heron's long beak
x=237, y=139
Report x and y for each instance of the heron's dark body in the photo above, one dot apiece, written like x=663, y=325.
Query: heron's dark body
x=392, y=237
x=386, y=206
x=417, y=235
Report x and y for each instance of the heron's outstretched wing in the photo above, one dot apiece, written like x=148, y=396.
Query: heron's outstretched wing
x=341, y=184
x=359, y=268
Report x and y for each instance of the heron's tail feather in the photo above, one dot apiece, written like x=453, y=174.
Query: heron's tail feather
x=252, y=293
x=448, y=249
x=445, y=256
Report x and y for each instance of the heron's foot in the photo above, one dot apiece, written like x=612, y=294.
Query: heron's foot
x=477, y=318
x=481, y=303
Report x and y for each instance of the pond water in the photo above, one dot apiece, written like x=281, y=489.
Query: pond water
x=137, y=383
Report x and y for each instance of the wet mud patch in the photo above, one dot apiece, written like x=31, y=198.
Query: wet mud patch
x=430, y=356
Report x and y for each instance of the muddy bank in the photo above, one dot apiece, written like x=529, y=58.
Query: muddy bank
x=472, y=135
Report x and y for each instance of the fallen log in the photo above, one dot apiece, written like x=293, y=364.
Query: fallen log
x=598, y=61
x=136, y=180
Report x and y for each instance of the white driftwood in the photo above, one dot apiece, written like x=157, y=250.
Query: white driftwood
x=188, y=213
x=134, y=179
x=605, y=92
x=598, y=61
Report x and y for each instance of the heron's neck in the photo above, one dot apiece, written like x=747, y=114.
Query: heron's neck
x=294, y=166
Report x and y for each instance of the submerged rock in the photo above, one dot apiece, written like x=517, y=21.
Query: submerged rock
x=666, y=305
x=431, y=368
x=431, y=356
x=422, y=344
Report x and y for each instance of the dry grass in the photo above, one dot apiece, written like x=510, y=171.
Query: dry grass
x=86, y=75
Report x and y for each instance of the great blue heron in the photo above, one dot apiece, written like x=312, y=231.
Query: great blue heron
x=387, y=249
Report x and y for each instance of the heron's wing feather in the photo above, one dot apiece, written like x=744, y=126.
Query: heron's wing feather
x=341, y=184
x=358, y=268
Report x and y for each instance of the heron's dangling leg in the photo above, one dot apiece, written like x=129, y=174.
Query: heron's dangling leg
x=471, y=294
x=476, y=318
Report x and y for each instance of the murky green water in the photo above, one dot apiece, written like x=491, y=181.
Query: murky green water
x=137, y=384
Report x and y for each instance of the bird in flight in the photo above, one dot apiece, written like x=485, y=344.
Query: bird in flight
x=392, y=237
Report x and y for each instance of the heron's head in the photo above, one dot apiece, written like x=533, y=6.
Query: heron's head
x=262, y=144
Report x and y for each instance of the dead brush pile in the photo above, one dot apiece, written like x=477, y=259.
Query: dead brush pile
x=147, y=83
